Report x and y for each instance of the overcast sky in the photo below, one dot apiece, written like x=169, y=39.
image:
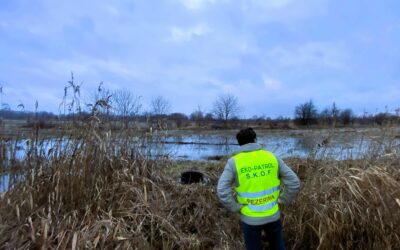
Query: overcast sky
x=271, y=54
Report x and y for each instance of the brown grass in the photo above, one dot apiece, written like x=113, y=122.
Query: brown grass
x=346, y=205
x=98, y=192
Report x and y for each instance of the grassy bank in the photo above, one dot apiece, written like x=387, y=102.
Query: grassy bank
x=98, y=192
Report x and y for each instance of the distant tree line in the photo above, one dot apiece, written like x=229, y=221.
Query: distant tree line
x=124, y=107
x=22, y=115
x=307, y=114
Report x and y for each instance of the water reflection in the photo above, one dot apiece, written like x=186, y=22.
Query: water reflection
x=203, y=146
x=337, y=146
x=4, y=182
x=194, y=147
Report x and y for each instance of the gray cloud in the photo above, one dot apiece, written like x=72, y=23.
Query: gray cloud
x=271, y=54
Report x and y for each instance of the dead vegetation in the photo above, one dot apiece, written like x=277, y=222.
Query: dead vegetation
x=99, y=192
x=346, y=205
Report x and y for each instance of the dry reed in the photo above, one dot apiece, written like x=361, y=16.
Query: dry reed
x=98, y=192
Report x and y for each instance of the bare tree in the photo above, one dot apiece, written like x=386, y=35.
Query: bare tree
x=347, y=116
x=325, y=116
x=180, y=119
x=126, y=105
x=306, y=113
x=330, y=115
x=160, y=106
x=226, y=107
x=197, y=116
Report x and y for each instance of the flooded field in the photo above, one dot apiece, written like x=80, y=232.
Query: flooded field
x=189, y=145
x=336, y=144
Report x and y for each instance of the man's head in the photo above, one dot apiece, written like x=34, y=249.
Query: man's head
x=246, y=135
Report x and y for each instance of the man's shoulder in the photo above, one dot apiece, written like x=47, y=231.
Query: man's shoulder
x=231, y=160
x=230, y=164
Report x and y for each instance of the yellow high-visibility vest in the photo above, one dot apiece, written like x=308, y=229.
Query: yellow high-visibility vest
x=259, y=184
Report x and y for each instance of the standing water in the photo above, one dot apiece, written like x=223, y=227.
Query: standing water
x=338, y=144
x=186, y=145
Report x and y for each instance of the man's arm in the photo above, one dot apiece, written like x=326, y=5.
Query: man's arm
x=224, y=188
x=290, y=181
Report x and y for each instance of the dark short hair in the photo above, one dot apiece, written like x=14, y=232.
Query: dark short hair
x=246, y=135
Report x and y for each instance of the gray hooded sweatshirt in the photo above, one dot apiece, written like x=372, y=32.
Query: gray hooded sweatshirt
x=290, y=186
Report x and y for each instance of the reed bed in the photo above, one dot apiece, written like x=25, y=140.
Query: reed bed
x=96, y=191
x=99, y=192
x=353, y=204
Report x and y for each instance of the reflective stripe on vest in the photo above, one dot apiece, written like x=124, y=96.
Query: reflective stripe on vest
x=262, y=208
x=258, y=194
x=258, y=181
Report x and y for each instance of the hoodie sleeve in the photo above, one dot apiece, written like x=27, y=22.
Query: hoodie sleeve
x=224, y=187
x=291, y=183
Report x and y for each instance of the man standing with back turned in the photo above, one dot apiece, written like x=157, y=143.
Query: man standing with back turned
x=257, y=175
